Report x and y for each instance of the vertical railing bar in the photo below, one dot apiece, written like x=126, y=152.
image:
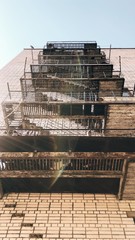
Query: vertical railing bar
x=2, y=165
x=74, y=165
x=57, y=164
x=109, y=164
x=97, y=164
x=89, y=164
x=13, y=164
x=8, y=167
x=92, y=166
x=78, y=164
x=6, y=164
x=85, y=163
x=100, y=164
x=45, y=164
x=39, y=164
x=106, y=163
x=19, y=164
x=16, y=164
x=120, y=160
x=114, y=164
x=36, y=164
x=122, y=163
x=30, y=164
x=117, y=164
x=10, y=164
x=51, y=162
x=12, y=168
x=33, y=163
x=26, y=164
x=23, y=168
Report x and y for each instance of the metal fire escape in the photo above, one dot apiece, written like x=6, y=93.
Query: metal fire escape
x=71, y=100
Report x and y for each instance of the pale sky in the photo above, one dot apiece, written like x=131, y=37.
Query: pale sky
x=34, y=22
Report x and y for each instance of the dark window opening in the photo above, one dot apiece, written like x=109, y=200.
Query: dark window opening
x=92, y=109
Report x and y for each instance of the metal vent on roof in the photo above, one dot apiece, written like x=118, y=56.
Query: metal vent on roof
x=35, y=235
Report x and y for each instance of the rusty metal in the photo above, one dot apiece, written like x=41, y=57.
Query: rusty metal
x=75, y=118
x=57, y=164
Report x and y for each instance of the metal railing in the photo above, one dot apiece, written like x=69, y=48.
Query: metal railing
x=69, y=44
x=52, y=130
x=48, y=164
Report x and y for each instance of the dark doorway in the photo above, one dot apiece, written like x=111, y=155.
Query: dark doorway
x=73, y=185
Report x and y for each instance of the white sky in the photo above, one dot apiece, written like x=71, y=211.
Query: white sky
x=34, y=22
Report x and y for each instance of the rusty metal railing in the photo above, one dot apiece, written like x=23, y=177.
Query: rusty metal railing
x=48, y=164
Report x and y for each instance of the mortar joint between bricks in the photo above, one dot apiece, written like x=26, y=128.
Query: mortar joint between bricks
x=130, y=206
x=72, y=206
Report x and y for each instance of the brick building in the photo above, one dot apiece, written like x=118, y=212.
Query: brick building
x=68, y=124
x=70, y=114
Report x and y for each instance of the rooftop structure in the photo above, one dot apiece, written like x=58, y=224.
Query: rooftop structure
x=71, y=116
